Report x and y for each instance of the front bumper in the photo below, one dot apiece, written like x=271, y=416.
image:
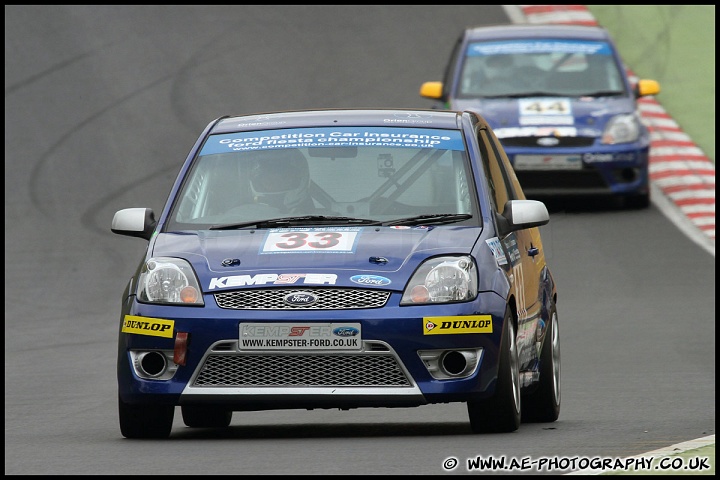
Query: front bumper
x=396, y=366
x=616, y=170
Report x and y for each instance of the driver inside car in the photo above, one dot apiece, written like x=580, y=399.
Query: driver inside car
x=280, y=178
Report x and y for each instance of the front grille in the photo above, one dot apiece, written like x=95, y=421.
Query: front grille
x=531, y=142
x=357, y=369
x=561, y=180
x=327, y=299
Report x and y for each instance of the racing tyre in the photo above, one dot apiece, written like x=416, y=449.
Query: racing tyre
x=205, y=417
x=501, y=413
x=543, y=405
x=145, y=421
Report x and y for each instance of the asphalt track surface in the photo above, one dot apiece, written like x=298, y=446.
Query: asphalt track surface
x=102, y=103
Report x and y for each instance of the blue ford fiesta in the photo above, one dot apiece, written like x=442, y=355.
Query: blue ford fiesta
x=560, y=100
x=339, y=259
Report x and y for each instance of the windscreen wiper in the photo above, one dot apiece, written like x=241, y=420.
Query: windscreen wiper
x=602, y=93
x=433, y=219
x=300, y=220
x=532, y=94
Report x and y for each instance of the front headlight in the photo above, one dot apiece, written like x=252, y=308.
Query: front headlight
x=168, y=281
x=442, y=280
x=622, y=129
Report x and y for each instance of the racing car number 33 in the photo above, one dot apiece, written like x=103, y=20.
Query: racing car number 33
x=345, y=258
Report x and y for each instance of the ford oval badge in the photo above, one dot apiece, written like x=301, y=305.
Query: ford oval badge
x=548, y=141
x=299, y=299
x=345, y=331
x=374, y=280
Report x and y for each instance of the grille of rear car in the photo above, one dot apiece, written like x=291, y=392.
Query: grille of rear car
x=560, y=180
x=375, y=366
x=533, y=142
x=326, y=299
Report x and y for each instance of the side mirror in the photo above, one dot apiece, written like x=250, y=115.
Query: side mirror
x=134, y=222
x=647, y=87
x=432, y=90
x=522, y=214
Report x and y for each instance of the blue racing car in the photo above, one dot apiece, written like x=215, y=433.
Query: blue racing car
x=561, y=102
x=339, y=259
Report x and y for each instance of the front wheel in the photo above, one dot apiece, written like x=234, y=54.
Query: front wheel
x=145, y=421
x=501, y=413
x=543, y=405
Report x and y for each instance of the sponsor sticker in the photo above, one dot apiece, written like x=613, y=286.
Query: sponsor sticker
x=459, y=324
x=300, y=336
x=372, y=280
x=395, y=136
x=538, y=131
x=546, y=120
x=272, y=279
x=497, y=250
x=153, y=327
x=548, y=162
x=585, y=47
x=545, y=106
x=511, y=247
x=609, y=157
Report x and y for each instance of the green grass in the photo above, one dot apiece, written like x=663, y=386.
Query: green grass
x=675, y=45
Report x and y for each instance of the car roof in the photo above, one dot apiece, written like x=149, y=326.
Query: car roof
x=417, y=118
x=578, y=32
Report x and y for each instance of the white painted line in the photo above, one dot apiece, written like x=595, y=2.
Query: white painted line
x=673, y=135
x=700, y=208
x=662, y=122
x=700, y=194
x=703, y=221
x=679, y=150
x=662, y=165
x=676, y=449
x=683, y=180
x=651, y=107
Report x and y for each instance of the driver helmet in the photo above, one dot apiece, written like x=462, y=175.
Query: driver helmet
x=280, y=178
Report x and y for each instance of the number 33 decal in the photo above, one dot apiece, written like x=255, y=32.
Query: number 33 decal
x=298, y=240
x=309, y=241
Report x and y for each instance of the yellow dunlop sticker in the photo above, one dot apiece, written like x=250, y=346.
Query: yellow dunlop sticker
x=154, y=327
x=464, y=324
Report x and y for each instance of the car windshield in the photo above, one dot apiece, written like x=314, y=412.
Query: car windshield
x=343, y=175
x=540, y=67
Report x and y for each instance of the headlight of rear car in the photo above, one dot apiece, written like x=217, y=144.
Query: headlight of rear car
x=442, y=280
x=168, y=281
x=622, y=129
